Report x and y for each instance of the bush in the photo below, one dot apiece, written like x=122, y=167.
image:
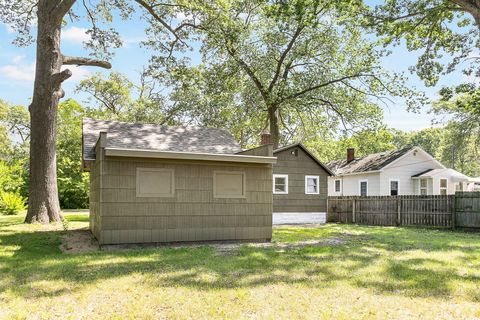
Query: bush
x=11, y=203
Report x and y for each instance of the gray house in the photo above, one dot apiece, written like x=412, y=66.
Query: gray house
x=151, y=183
x=300, y=184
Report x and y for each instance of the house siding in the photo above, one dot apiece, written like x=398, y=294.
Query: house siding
x=403, y=170
x=191, y=214
x=350, y=185
x=297, y=167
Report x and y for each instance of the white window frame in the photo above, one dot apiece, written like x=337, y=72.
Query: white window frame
x=360, y=187
x=420, y=186
x=440, y=188
x=285, y=176
x=339, y=185
x=390, y=186
x=318, y=184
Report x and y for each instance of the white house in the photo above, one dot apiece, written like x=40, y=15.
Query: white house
x=408, y=171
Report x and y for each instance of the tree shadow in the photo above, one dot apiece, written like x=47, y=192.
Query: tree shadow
x=369, y=262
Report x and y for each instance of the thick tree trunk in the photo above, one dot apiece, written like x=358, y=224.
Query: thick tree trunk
x=43, y=204
x=274, y=130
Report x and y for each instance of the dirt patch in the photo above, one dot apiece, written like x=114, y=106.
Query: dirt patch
x=232, y=248
x=79, y=241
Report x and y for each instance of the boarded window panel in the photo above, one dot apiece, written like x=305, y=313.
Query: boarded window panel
x=154, y=182
x=229, y=184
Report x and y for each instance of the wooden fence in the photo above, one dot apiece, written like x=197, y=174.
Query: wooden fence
x=450, y=211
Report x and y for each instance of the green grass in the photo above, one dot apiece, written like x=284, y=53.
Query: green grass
x=376, y=273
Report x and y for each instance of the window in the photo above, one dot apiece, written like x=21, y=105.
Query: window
x=443, y=186
x=311, y=185
x=364, y=188
x=394, y=187
x=423, y=187
x=280, y=183
x=155, y=182
x=337, y=185
x=229, y=184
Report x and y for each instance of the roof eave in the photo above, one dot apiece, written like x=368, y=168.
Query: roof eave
x=142, y=153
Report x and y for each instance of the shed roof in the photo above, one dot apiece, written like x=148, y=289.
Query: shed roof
x=371, y=162
x=301, y=146
x=139, y=136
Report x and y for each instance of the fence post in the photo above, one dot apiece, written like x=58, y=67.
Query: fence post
x=454, y=210
x=353, y=210
x=399, y=211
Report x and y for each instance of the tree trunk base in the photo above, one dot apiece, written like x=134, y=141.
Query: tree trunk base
x=43, y=214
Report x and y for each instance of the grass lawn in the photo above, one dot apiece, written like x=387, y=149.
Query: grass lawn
x=367, y=272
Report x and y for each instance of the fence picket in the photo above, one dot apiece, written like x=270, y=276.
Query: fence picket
x=445, y=211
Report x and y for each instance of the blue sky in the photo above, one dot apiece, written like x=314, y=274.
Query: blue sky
x=17, y=69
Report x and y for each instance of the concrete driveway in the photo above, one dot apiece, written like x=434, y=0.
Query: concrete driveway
x=280, y=218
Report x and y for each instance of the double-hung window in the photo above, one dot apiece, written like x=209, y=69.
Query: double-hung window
x=312, y=185
x=363, y=188
x=443, y=186
x=338, y=185
x=423, y=187
x=280, y=183
x=394, y=187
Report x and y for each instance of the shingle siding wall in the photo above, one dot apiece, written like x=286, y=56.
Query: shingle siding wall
x=95, y=186
x=192, y=214
x=297, y=167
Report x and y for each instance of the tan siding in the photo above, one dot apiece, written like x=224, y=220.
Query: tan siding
x=297, y=167
x=192, y=214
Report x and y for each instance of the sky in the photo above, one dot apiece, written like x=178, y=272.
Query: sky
x=17, y=66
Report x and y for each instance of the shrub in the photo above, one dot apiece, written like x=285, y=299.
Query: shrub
x=11, y=203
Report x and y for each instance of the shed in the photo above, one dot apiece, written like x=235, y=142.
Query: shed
x=300, y=183
x=152, y=183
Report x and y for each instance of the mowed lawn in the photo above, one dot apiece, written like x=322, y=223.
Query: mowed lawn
x=335, y=271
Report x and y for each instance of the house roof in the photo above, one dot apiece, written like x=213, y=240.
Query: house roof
x=368, y=163
x=445, y=173
x=139, y=136
x=301, y=146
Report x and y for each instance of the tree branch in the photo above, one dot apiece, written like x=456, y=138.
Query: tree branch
x=284, y=55
x=62, y=9
x=321, y=85
x=151, y=10
x=80, y=61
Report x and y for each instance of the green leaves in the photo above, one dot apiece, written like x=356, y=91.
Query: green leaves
x=441, y=30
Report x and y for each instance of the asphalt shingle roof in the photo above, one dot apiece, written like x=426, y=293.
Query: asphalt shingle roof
x=371, y=162
x=157, y=138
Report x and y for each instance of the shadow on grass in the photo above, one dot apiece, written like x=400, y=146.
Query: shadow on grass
x=368, y=259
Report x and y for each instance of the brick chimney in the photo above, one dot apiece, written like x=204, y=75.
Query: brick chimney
x=266, y=138
x=350, y=155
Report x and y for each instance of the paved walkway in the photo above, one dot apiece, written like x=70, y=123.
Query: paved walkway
x=299, y=218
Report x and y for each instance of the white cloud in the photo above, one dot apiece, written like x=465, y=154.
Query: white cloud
x=78, y=73
x=18, y=58
x=9, y=28
x=19, y=72
x=75, y=35
x=25, y=72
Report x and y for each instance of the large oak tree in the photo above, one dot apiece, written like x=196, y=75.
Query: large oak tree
x=48, y=16
x=299, y=57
